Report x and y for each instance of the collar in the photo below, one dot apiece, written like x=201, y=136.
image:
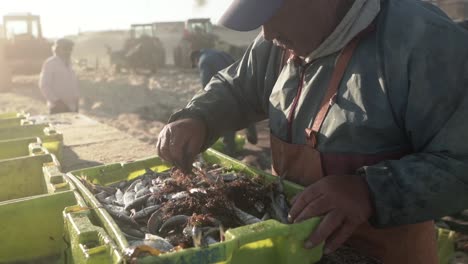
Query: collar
x=361, y=14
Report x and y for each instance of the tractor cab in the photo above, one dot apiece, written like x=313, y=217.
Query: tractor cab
x=25, y=47
x=198, y=26
x=139, y=30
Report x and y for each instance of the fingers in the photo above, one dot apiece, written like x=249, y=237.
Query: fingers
x=340, y=236
x=177, y=146
x=180, y=141
x=163, y=146
x=316, y=207
x=302, y=200
x=192, y=148
x=329, y=224
x=187, y=158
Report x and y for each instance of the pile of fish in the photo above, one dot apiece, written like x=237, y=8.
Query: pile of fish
x=172, y=210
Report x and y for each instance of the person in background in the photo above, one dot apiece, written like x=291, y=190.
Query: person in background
x=209, y=63
x=58, y=82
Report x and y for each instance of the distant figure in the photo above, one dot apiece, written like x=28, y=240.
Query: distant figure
x=210, y=62
x=58, y=82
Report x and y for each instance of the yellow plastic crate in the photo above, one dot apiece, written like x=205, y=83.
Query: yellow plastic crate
x=264, y=242
x=13, y=115
x=21, y=147
x=30, y=176
x=445, y=245
x=51, y=139
x=12, y=119
x=32, y=228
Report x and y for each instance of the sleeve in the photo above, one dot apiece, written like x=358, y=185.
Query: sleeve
x=433, y=181
x=238, y=95
x=206, y=72
x=46, y=82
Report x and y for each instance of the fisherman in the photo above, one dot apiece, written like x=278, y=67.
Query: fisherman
x=209, y=63
x=58, y=82
x=368, y=109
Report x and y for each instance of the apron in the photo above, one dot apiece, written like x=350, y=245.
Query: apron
x=304, y=164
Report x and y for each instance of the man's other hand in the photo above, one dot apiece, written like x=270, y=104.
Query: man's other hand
x=343, y=201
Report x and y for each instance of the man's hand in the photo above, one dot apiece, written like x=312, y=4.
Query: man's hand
x=344, y=201
x=179, y=142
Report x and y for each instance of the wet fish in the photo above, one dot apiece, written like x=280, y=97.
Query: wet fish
x=145, y=212
x=177, y=222
x=137, y=203
x=132, y=185
x=197, y=190
x=119, y=196
x=121, y=217
x=279, y=204
x=102, y=195
x=245, y=218
x=110, y=199
x=260, y=206
x=158, y=243
x=197, y=236
x=129, y=197
x=132, y=232
x=176, y=196
x=266, y=216
x=229, y=177
x=154, y=222
x=143, y=191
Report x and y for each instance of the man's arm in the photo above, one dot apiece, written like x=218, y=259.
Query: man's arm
x=206, y=72
x=433, y=181
x=238, y=95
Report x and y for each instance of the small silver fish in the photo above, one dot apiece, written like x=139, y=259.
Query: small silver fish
x=245, y=218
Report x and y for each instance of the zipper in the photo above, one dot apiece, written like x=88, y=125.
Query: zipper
x=295, y=102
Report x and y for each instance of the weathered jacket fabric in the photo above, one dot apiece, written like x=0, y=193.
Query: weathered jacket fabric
x=405, y=89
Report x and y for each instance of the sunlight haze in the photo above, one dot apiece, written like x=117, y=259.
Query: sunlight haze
x=69, y=17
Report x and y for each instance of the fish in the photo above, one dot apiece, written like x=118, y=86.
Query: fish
x=245, y=218
x=176, y=222
x=119, y=196
x=279, y=208
x=145, y=212
x=137, y=203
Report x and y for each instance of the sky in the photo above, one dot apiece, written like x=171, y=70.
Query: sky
x=65, y=17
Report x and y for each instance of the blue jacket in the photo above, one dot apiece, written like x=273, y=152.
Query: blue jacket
x=211, y=62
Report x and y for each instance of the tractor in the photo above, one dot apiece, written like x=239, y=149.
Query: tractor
x=23, y=49
x=198, y=34
x=143, y=50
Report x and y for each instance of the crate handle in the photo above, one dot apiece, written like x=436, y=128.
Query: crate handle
x=270, y=229
x=92, y=241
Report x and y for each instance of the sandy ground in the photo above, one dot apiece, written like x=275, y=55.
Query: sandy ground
x=135, y=104
x=138, y=105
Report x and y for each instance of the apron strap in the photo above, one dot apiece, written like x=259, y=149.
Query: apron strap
x=330, y=96
x=286, y=55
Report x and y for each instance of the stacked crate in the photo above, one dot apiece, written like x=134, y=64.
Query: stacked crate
x=33, y=193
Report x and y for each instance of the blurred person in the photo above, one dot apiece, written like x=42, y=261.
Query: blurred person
x=209, y=63
x=58, y=82
x=367, y=102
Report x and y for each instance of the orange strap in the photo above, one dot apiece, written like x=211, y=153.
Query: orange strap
x=333, y=86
